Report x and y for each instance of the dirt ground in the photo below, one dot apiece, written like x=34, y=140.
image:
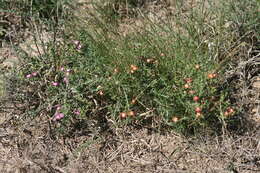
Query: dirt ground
x=27, y=146
x=33, y=149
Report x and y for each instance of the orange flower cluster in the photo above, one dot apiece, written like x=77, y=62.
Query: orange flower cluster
x=198, y=112
x=133, y=68
x=175, y=119
x=123, y=115
x=188, y=82
x=229, y=112
x=212, y=75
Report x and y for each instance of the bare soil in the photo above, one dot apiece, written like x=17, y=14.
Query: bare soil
x=32, y=148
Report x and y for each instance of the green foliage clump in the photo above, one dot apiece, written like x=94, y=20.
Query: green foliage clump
x=163, y=76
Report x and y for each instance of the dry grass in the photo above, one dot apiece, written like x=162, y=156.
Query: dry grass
x=244, y=77
x=33, y=149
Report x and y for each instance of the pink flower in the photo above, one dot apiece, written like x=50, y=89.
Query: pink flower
x=55, y=83
x=34, y=73
x=77, y=44
x=62, y=69
x=58, y=116
x=66, y=80
x=77, y=112
x=28, y=76
x=58, y=107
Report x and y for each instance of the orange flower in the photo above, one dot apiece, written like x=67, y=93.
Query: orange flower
x=116, y=70
x=186, y=86
x=188, y=80
x=192, y=92
x=197, y=109
x=133, y=67
x=226, y=113
x=198, y=115
x=131, y=113
x=133, y=101
x=123, y=115
x=175, y=119
x=196, y=98
x=212, y=75
x=150, y=60
x=230, y=110
x=101, y=92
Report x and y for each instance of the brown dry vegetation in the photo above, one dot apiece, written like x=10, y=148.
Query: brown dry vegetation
x=29, y=145
x=33, y=149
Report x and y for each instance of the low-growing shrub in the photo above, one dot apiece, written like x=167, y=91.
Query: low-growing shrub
x=160, y=76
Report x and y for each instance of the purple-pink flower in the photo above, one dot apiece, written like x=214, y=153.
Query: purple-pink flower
x=77, y=44
x=58, y=116
x=58, y=107
x=28, y=76
x=77, y=112
x=66, y=80
x=33, y=74
x=55, y=83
